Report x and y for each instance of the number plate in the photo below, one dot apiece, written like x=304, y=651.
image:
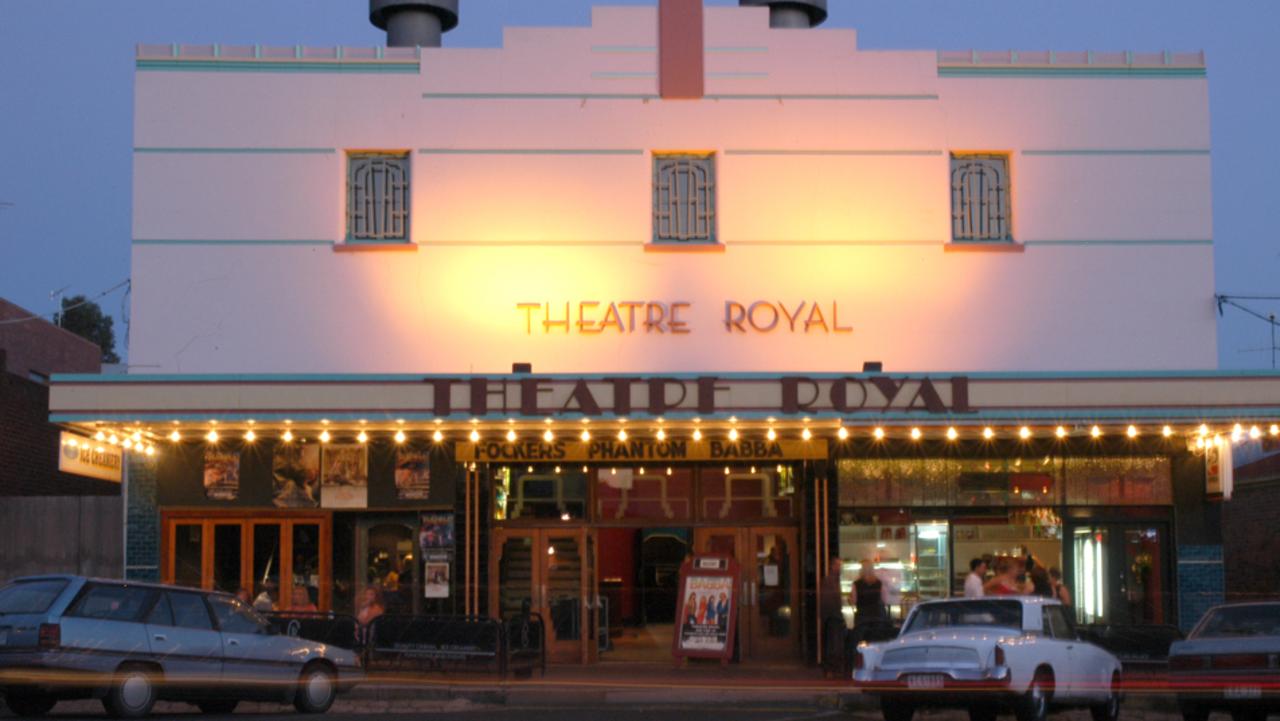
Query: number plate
x=1240, y=693
x=926, y=682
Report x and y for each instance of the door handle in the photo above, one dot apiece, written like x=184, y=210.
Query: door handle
x=161, y=637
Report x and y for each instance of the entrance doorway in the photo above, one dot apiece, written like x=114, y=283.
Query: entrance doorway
x=769, y=602
x=1120, y=573
x=550, y=572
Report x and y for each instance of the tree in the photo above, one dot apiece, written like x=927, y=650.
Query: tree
x=86, y=319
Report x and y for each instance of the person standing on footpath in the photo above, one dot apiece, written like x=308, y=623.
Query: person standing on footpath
x=977, y=577
x=834, y=629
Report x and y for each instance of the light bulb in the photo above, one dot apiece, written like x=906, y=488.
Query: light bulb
x=400, y=437
x=128, y=443
x=842, y=433
x=1131, y=431
x=1060, y=432
x=1275, y=429
x=474, y=436
x=212, y=437
x=511, y=435
x=1255, y=432
x=697, y=434
x=100, y=436
x=113, y=439
x=987, y=433
x=733, y=434
x=622, y=434
x=585, y=435
x=250, y=436
x=437, y=436
x=952, y=434
x=151, y=450
x=1203, y=430
x=661, y=435
x=175, y=436
x=916, y=434
x=878, y=433
x=1096, y=432
x=548, y=436
x=362, y=437
x=1024, y=433
x=324, y=436
x=1166, y=431
x=806, y=434
x=287, y=436
x=771, y=434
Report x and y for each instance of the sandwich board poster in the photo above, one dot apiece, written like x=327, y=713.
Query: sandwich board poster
x=707, y=610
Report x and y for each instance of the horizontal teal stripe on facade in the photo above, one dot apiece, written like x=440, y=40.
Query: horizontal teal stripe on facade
x=1084, y=416
x=299, y=66
x=815, y=96
x=1118, y=242
x=1119, y=151
x=206, y=241
x=997, y=71
x=238, y=151
x=539, y=96
x=530, y=151
x=1124, y=375
x=818, y=151
x=624, y=74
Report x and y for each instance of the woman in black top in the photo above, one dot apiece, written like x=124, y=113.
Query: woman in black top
x=868, y=596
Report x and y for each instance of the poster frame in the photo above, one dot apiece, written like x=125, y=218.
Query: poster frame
x=700, y=566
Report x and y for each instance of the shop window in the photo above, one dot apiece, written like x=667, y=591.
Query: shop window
x=747, y=493
x=378, y=197
x=534, y=493
x=684, y=198
x=1118, y=481
x=657, y=494
x=980, y=198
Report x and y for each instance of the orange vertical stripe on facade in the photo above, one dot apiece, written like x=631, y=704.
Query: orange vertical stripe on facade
x=680, y=49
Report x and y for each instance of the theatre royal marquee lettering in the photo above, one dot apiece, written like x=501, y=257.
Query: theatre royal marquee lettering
x=793, y=395
x=652, y=317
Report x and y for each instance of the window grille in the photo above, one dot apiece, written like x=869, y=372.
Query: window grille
x=378, y=196
x=684, y=199
x=980, y=198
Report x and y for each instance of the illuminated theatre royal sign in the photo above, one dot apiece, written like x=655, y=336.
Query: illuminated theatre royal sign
x=551, y=396
x=631, y=317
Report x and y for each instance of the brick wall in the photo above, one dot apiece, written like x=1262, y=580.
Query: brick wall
x=1251, y=540
x=1200, y=582
x=43, y=347
x=142, y=522
x=29, y=446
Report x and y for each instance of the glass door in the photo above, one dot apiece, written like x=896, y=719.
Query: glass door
x=1120, y=573
x=551, y=573
x=769, y=601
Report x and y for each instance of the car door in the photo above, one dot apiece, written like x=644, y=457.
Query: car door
x=1060, y=651
x=102, y=628
x=1091, y=666
x=184, y=640
x=250, y=651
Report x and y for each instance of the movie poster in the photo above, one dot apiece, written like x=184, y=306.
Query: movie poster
x=435, y=532
x=413, y=474
x=705, y=625
x=344, y=478
x=436, y=576
x=295, y=469
x=221, y=474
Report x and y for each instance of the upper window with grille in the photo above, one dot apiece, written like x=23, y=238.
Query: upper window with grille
x=684, y=198
x=980, y=198
x=378, y=197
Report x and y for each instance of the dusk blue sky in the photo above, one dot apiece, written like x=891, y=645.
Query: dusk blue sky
x=66, y=76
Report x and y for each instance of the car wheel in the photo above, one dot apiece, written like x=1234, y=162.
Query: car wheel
x=28, y=705
x=1034, y=706
x=317, y=689
x=896, y=710
x=218, y=708
x=1109, y=711
x=1194, y=712
x=132, y=693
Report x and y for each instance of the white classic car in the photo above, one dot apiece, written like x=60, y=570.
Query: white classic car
x=989, y=654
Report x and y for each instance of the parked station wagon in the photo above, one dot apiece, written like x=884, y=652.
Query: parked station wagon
x=989, y=654
x=131, y=644
x=1229, y=662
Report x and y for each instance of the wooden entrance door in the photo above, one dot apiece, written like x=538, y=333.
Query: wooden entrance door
x=550, y=572
x=769, y=601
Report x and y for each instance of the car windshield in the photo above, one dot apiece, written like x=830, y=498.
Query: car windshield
x=1237, y=621
x=30, y=596
x=949, y=614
